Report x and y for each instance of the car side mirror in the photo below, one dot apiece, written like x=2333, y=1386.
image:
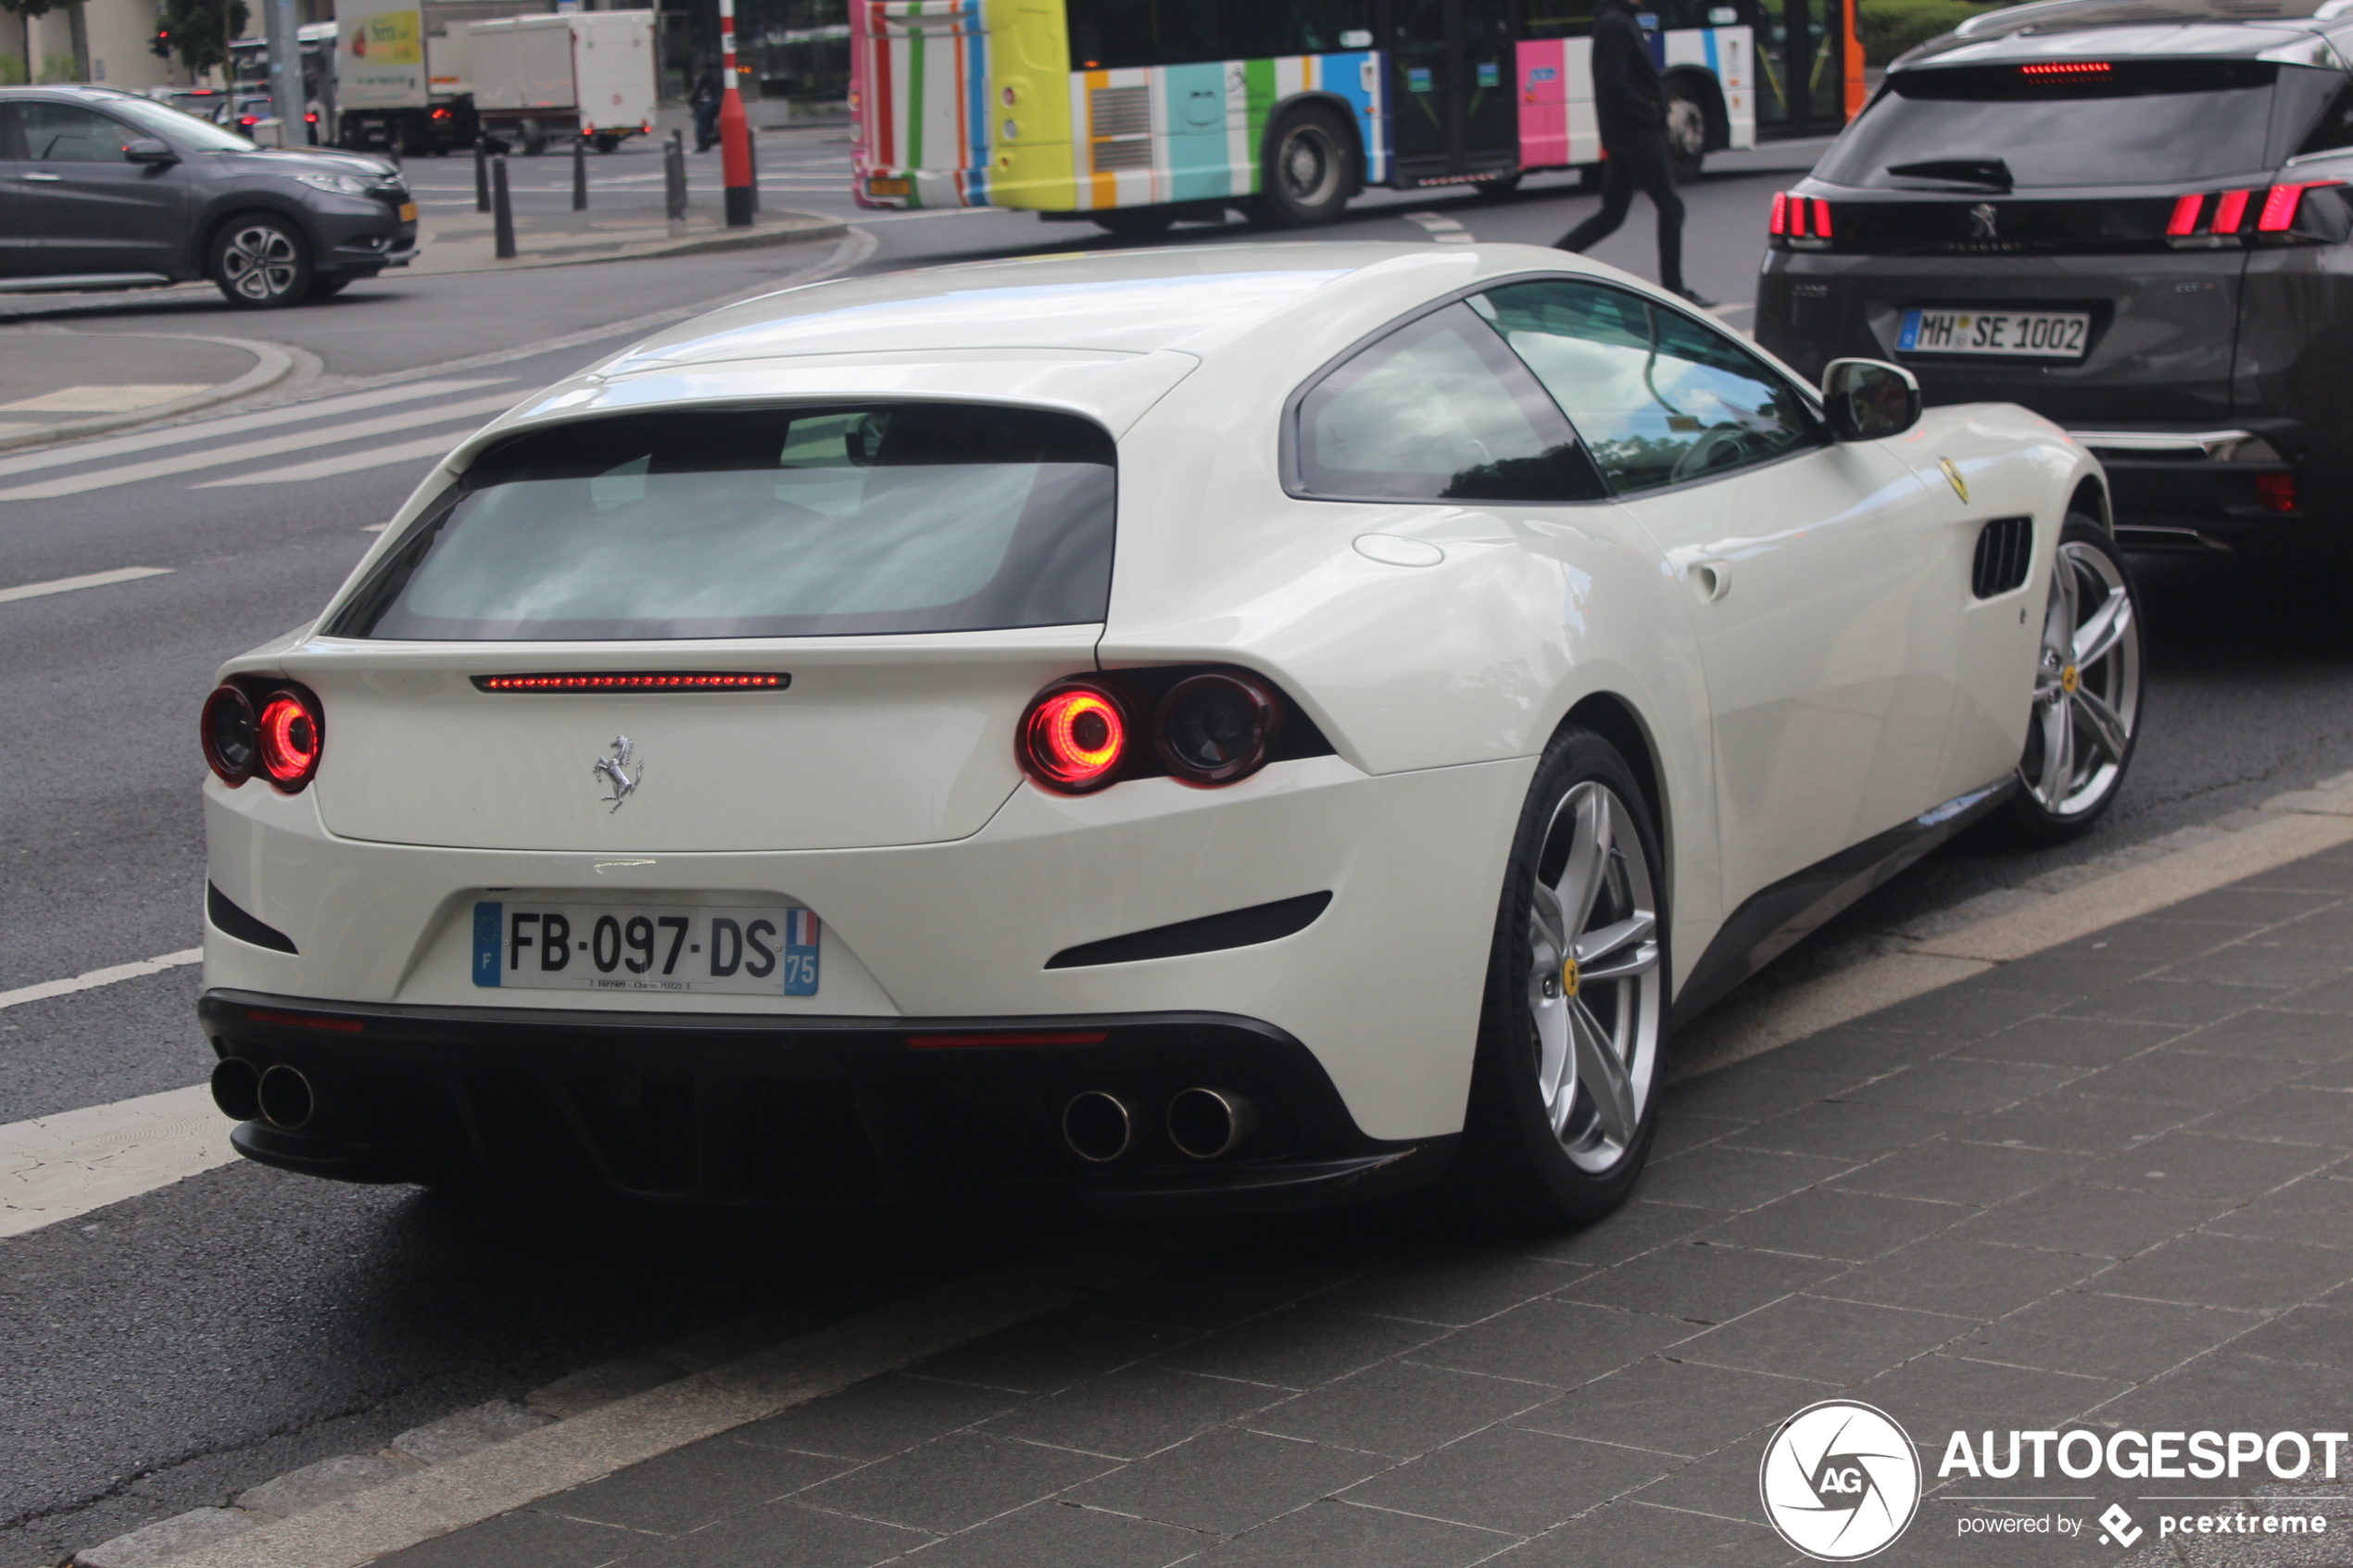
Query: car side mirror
x=1867, y=399
x=146, y=150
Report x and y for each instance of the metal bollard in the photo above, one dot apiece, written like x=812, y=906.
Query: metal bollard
x=481, y=173
x=580, y=174
x=674, y=172
x=502, y=213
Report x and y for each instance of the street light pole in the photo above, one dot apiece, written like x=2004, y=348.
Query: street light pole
x=735, y=131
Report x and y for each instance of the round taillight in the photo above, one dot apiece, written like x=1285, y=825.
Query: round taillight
x=231, y=739
x=292, y=738
x=1074, y=737
x=1214, y=729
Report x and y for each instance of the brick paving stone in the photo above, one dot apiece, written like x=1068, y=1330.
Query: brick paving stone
x=1218, y=1291
x=1051, y=1352
x=2296, y=1113
x=2104, y=1335
x=1061, y=1534
x=1946, y=1171
x=1947, y=1273
x=1829, y=1341
x=879, y=1417
x=1456, y=1289
x=1228, y=1481
x=1401, y=1409
x=1723, y=1484
x=2053, y=1041
x=783, y=1535
x=1837, y=1130
x=675, y=1492
x=2081, y=1122
x=2194, y=1164
x=1635, y=1229
x=2307, y=1335
x=1968, y=1011
x=1301, y=1346
x=1963, y=1087
x=2228, y=1270
x=522, y=1540
x=2332, y=996
x=2318, y=1209
x=2257, y=905
x=2227, y=1391
x=1721, y=1178
x=2162, y=1000
x=1750, y=1091
x=1561, y=1343
x=1133, y=1411
x=2087, y=967
x=1627, y=1533
x=1675, y=1407
x=2099, y=1221
x=1512, y=1480
x=1338, y=1534
x=1831, y=1223
x=1679, y=1131
x=1698, y=1284
x=955, y=1481
x=1852, y=1052
x=2262, y=960
x=1945, y=1392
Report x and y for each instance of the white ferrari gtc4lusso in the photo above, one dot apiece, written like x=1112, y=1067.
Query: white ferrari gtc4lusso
x=1234, y=727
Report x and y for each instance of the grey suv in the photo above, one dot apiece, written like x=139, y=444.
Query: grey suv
x=100, y=189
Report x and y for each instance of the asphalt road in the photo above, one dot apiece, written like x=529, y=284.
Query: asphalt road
x=170, y=1351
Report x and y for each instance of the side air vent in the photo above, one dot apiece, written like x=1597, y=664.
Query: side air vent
x=1235, y=928
x=225, y=916
x=2005, y=551
x=1119, y=124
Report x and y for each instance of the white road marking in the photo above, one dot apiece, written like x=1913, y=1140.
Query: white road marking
x=327, y=467
x=94, y=580
x=292, y=413
x=54, y=1168
x=217, y=456
x=1441, y=229
x=97, y=977
x=100, y=399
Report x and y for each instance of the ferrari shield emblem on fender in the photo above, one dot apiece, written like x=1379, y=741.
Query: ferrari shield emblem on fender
x=1953, y=473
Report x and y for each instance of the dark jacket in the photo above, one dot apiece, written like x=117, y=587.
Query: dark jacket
x=1627, y=98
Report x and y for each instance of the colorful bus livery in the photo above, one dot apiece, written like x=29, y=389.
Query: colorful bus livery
x=1139, y=112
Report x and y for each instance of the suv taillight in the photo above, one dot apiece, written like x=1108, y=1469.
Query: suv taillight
x=2210, y=218
x=281, y=740
x=1803, y=222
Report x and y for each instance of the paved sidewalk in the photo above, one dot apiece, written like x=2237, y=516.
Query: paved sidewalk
x=56, y=383
x=2107, y=1185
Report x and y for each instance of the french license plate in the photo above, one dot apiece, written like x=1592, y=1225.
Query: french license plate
x=2033, y=334
x=408, y=212
x=764, y=951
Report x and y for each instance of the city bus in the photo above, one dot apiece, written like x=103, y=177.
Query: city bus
x=1136, y=113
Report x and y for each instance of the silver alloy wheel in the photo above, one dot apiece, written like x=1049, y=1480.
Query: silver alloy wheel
x=1686, y=128
x=1308, y=164
x=259, y=261
x=2087, y=685
x=1594, y=987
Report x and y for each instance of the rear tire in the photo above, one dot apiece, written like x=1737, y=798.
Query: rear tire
x=1563, y=1101
x=535, y=138
x=2088, y=706
x=260, y=261
x=1309, y=170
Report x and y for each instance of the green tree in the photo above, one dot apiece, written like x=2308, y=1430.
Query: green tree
x=192, y=32
x=24, y=11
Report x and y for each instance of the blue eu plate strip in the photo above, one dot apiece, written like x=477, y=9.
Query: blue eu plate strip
x=1910, y=335
x=490, y=925
x=800, y=953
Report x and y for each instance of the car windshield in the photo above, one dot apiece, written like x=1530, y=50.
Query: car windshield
x=183, y=131
x=771, y=522
x=2120, y=122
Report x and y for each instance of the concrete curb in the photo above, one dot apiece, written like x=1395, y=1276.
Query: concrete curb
x=271, y=365
x=815, y=229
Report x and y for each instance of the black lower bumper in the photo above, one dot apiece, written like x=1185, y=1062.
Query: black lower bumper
x=726, y=1109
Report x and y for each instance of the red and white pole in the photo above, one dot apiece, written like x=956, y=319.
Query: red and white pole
x=735, y=131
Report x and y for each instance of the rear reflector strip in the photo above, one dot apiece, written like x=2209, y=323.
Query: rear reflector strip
x=306, y=1020
x=1036, y=1037
x=679, y=682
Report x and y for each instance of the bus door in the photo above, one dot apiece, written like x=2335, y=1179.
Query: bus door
x=1802, y=67
x=1453, y=117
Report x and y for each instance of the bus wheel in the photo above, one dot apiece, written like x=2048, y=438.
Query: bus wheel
x=1310, y=170
x=1686, y=132
x=1134, y=223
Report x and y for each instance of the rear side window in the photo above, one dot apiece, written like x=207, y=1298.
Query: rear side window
x=2115, y=122
x=773, y=522
x=1437, y=410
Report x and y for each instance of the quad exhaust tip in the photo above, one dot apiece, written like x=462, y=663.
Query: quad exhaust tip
x=285, y=1099
x=237, y=1089
x=1099, y=1126
x=1206, y=1124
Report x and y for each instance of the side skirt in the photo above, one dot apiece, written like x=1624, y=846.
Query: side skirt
x=1775, y=919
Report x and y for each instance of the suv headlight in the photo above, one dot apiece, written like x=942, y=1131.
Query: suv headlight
x=341, y=184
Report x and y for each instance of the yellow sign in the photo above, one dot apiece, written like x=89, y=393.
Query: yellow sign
x=389, y=38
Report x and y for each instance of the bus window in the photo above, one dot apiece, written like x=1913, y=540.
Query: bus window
x=1111, y=35
x=1260, y=31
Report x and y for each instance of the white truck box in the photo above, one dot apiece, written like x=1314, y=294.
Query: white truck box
x=590, y=71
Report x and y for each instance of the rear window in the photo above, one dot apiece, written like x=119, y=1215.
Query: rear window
x=776, y=522
x=2119, y=123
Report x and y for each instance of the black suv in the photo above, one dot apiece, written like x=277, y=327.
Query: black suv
x=100, y=189
x=2133, y=216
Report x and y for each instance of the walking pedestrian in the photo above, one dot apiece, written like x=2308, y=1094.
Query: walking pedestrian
x=1632, y=107
x=706, y=100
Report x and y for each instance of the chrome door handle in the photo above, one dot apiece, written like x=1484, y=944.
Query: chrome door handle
x=45, y=179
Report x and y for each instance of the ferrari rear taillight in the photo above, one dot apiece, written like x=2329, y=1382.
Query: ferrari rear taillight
x=1074, y=737
x=293, y=736
x=231, y=736
x=1214, y=729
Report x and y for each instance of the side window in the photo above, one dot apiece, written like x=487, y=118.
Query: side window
x=1659, y=399
x=9, y=147
x=1437, y=410
x=69, y=133
x=1256, y=30
x=2335, y=128
x=1115, y=34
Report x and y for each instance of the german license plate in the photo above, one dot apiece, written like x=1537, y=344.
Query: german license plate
x=408, y=212
x=751, y=951
x=2031, y=334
